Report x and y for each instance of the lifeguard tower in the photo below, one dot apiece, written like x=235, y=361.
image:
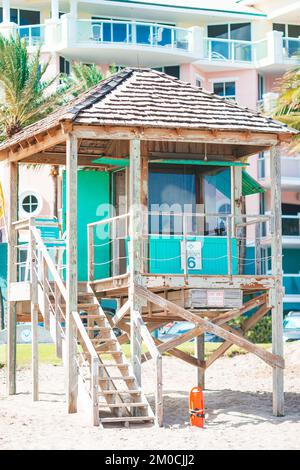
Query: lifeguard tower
x=159, y=229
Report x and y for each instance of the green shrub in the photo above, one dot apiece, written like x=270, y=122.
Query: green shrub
x=259, y=333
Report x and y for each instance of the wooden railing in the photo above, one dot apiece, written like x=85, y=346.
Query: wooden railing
x=157, y=357
x=94, y=364
x=240, y=232
x=49, y=292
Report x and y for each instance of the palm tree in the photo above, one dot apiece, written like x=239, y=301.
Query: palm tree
x=26, y=93
x=288, y=104
x=83, y=77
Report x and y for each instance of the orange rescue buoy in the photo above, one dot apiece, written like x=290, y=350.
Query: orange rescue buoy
x=197, y=414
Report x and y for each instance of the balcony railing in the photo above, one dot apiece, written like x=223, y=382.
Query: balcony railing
x=291, y=48
x=34, y=35
x=290, y=167
x=133, y=33
x=229, y=50
x=68, y=32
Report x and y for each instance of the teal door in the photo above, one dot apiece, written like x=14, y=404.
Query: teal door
x=93, y=196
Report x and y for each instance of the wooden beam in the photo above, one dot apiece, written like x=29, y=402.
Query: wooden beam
x=246, y=326
x=271, y=359
x=277, y=292
x=176, y=135
x=121, y=313
x=71, y=272
x=12, y=273
x=135, y=255
x=34, y=315
x=37, y=147
x=200, y=355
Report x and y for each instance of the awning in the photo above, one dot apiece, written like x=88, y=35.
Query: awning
x=250, y=185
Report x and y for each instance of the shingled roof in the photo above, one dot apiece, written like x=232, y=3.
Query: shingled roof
x=148, y=98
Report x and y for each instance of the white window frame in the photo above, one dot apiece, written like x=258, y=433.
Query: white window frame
x=22, y=211
x=229, y=30
x=220, y=80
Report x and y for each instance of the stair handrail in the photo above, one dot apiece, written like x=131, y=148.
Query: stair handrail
x=84, y=336
x=51, y=266
x=94, y=366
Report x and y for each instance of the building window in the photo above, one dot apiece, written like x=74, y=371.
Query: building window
x=22, y=17
x=30, y=204
x=291, y=33
x=172, y=70
x=261, y=168
x=198, y=82
x=236, y=31
x=225, y=50
x=225, y=89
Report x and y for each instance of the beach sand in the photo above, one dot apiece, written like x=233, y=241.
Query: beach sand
x=238, y=404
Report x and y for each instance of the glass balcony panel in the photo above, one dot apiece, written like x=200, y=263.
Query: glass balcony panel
x=143, y=34
x=242, y=52
x=291, y=47
x=290, y=167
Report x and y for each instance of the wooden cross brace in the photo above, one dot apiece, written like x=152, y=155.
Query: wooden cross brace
x=205, y=325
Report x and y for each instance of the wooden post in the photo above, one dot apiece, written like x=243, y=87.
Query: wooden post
x=257, y=249
x=229, y=245
x=46, y=303
x=34, y=316
x=94, y=390
x=144, y=202
x=159, y=411
x=91, y=254
x=277, y=309
x=200, y=354
x=237, y=210
x=135, y=260
x=12, y=273
x=58, y=320
x=71, y=272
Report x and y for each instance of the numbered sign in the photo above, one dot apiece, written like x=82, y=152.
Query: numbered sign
x=193, y=255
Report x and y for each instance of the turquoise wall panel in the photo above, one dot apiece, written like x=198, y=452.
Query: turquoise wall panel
x=3, y=280
x=166, y=259
x=291, y=260
x=93, y=191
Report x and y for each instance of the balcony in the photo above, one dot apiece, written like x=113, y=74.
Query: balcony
x=134, y=43
x=124, y=40
x=290, y=173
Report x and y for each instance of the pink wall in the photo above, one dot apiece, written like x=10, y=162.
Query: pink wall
x=246, y=82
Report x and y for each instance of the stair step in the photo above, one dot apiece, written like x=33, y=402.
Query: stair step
x=98, y=328
x=122, y=377
x=98, y=317
x=87, y=306
x=130, y=419
x=113, y=353
x=106, y=340
x=124, y=405
x=119, y=392
x=112, y=364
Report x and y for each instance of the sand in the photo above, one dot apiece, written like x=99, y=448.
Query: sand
x=238, y=410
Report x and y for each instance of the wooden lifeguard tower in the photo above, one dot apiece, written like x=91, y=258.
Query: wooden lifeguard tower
x=149, y=126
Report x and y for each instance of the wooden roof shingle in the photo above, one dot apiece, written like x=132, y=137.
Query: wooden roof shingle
x=148, y=98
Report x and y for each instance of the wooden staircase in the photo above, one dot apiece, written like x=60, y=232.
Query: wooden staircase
x=120, y=398
x=106, y=379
